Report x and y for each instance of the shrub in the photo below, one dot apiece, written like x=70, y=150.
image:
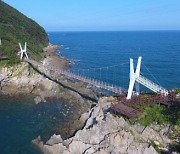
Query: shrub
x=152, y=114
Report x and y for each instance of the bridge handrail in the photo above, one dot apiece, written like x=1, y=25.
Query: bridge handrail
x=149, y=82
x=75, y=76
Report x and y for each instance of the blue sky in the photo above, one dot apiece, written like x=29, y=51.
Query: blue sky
x=101, y=15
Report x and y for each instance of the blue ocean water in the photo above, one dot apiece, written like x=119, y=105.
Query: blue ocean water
x=21, y=121
x=160, y=51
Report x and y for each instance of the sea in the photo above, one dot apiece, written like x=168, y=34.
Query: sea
x=21, y=121
x=102, y=56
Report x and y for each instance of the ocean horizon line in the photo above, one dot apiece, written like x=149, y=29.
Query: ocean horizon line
x=113, y=31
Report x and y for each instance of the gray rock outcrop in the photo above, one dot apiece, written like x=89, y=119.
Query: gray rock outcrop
x=104, y=133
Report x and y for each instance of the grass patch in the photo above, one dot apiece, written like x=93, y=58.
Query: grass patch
x=159, y=114
x=177, y=90
x=152, y=114
x=16, y=27
x=20, y=72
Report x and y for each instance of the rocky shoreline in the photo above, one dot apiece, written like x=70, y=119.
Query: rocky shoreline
x=99, y=131
x=24, y=79
x=105, y=133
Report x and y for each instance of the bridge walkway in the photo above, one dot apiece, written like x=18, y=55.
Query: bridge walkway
x=74, y=76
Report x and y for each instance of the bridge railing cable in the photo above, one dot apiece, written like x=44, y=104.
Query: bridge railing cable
x=83, y=76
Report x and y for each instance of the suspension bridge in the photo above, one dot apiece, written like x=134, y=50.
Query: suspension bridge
x=135, y=77
x=99, y=84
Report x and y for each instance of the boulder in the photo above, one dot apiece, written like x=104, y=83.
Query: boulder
x=102, y=151
x=134, y=150
x=54, y=149
x=93, y=115
x=115, y=139
x=84, y=117
x=78, y=147
x=90, y=122
x=141, y=150
x=138, y=128
x=94, y=135
x=100, y=115
x=37, y=100
x=155, y=126
x=90, y=150
x=55, y=139
x=151, y=134
x=164, y=130
x=120, y=141
x=150, y=150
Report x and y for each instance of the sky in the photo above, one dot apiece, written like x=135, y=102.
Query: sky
x=101, y=15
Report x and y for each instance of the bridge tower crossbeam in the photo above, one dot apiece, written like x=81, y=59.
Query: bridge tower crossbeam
x=23, y=51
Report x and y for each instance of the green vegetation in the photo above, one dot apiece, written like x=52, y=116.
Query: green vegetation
x=159, y=114
x=156, y=147
x=152, y=114
x=177, y=90
x=15, y=28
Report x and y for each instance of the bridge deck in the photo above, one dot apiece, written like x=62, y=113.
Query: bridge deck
x=80, y=78
x=125, y=110
x=151, y=85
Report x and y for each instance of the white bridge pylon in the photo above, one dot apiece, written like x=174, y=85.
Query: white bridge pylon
x=136, y=78
x=23, y=51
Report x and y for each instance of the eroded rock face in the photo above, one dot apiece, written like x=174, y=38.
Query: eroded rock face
x=23, y=80
x=151, y=134
x=104, y=133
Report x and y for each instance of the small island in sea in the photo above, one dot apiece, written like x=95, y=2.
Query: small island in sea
x=85, y=92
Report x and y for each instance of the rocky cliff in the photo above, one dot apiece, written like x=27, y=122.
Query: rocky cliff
x=105, y=133
x=23, y=79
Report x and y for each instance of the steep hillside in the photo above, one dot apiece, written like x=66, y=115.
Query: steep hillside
x=16, y=27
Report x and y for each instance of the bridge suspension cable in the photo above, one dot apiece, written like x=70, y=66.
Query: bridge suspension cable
x=151, y=74
x=107, y=74
x=101, y=67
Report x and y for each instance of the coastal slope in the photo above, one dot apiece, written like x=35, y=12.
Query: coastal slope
x=22, y=78
x=16, y=27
